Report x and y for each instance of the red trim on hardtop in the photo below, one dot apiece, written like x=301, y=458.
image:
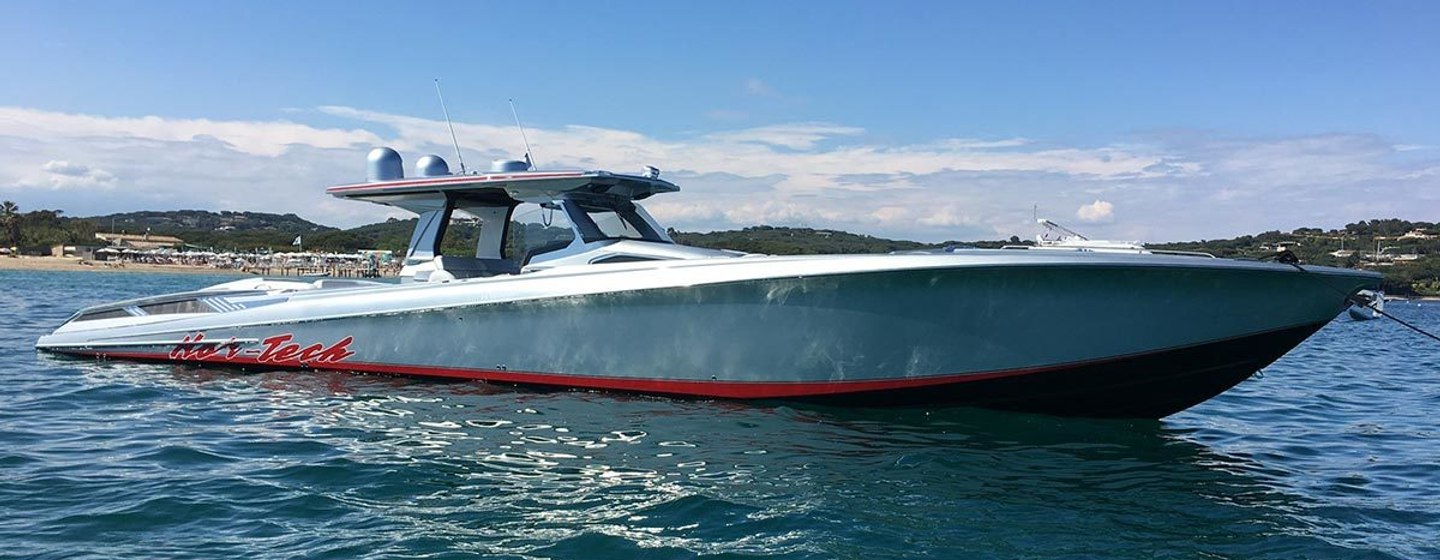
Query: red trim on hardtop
x=460, y=179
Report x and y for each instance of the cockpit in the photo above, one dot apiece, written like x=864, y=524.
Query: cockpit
x=513, y=219
x=480, y=238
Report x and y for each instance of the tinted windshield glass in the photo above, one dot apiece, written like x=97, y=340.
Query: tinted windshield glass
x=614, y=225
x=600, y=218
x=535, y=230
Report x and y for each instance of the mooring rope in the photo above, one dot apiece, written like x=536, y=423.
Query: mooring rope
x=1356, y=300
x=1397, y=320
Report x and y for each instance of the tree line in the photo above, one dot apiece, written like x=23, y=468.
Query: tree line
x=42, y=229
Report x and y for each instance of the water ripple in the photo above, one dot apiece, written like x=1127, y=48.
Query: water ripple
x=1332, y=453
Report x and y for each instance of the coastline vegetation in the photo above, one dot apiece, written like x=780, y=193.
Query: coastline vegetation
x=1408, y=253
x=41, y=228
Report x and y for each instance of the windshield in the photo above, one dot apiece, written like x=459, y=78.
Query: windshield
x=537, y=229
x=613, y=224
x=601, y=220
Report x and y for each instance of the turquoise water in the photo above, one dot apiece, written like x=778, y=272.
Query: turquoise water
x=1333, y=453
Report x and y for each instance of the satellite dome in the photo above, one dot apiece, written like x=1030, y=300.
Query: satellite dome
x=431, y=166
x=508, y=165
x=384, y=164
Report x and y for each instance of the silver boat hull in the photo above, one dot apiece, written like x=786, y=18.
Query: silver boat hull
x=1082, y=334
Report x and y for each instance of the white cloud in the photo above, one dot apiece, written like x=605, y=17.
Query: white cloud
x=975, y=144
x=59, y=174
x=267, y=138
x=1301, y=161
x=947, y=217
x=1099, y=211
x=66, y=168
x=796, y=136
x=1423, y=173
x=829, y=175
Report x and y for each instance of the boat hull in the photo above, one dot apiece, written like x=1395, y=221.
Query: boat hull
x=1093, y=339
x=1152, y=385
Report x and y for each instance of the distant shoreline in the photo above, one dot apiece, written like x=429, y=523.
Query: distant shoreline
x=72, y=264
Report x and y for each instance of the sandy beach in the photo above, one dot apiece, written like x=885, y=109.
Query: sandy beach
x=80, y=265
x=73, y=264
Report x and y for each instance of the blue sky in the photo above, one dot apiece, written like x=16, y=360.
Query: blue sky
x=928, y=120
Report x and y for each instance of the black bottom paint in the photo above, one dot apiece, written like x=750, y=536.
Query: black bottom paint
x=1149, y=386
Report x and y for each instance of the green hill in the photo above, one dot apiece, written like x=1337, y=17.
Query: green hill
x=1353, y=246
x=224, y=230
x=185, y=221
x=1409, y=252
x=793, y=241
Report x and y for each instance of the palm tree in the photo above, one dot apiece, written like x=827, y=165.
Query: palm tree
x=10, y=221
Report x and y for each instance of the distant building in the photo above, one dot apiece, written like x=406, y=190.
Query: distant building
x=139, y=241
x=1417, y=233
x=85, y=252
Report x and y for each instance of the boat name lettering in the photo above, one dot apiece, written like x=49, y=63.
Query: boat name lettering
x=278, y=349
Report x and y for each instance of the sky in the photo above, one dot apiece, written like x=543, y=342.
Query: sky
x=1150, y=121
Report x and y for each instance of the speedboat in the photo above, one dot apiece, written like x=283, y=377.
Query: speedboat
x=1366, y=305
x=1056, y=236
x=562, y=279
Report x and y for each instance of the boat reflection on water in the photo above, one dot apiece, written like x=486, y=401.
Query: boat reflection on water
x=570, y=473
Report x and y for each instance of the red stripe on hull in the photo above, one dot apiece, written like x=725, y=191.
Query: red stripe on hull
x=709, y=389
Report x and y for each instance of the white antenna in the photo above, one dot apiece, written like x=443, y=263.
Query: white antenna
x=452, y=127
x=528, y=161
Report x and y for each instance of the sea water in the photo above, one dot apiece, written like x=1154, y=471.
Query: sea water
x=1334, y=452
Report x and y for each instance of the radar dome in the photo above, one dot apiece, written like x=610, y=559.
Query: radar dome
x=431, y=166
x=508, y=165
x=384, y=164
